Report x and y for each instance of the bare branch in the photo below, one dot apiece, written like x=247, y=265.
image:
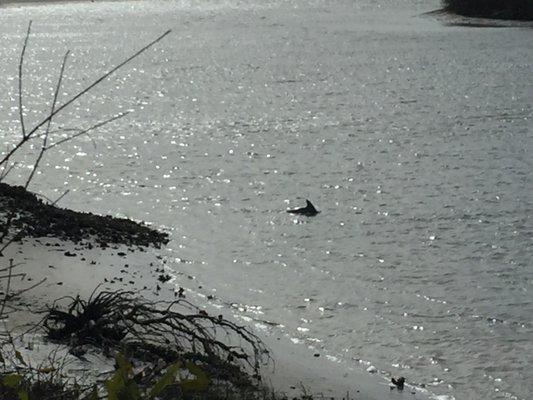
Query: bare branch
x=65, y=130
x=7, y=288
x=30, y=134
x=86, y=131
x=23, y=274
x=60, y=197
x=28, y=288
x=21, y=63
x=45, y=139
x=7, y=170
x=6, y=232
x=12, y=266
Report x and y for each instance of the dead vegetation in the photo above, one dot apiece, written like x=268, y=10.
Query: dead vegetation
x=152, y=331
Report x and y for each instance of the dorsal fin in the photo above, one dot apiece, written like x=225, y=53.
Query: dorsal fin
x=309, y=210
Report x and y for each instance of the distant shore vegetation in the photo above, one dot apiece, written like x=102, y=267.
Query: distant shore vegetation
x=497, y=9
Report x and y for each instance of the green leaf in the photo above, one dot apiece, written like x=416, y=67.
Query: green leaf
x=114, y=385
x=19, y=357
x=130, y=392
x=120, y=386
x=167, y=379
x=201, y=383
x=23, y=395
x=12, y=380
x=123, y=365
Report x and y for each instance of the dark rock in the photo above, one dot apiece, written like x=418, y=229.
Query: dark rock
x=398, y=382
x=164, y=278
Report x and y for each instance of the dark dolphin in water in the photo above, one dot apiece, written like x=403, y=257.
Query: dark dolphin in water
x=309, y=210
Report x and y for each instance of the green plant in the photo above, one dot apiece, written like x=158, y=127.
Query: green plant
x=13, y=381
x=123, y=385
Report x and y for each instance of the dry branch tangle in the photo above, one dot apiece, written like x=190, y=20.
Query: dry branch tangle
x=120, y=320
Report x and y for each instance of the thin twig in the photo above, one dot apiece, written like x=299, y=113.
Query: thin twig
x=60, y=197
x=11, y=267
x=48, y=199
x=5, y=230
x=77, y=96
x=86, y=131
x=47, y=132
x=28, y=288
x=77, y=130
x=21, y=62
x=7, y=171
x=23, y=274
x=8, y=286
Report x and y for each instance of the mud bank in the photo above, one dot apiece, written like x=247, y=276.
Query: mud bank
x=37, y=219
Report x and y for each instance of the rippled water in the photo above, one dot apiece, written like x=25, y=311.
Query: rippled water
x=414, y=140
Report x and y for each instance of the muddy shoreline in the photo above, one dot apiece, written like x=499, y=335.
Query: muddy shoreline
x=452, y=18
x=518, y=10
x=39, y=219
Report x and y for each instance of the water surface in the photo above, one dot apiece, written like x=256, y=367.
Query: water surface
x=411, y=137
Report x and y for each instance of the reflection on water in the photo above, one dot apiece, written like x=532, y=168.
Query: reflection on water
x=411, y=137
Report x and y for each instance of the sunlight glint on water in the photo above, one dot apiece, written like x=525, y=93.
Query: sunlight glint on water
x=412, y=138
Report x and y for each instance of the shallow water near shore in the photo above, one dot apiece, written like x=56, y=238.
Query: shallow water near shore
x=413, y=139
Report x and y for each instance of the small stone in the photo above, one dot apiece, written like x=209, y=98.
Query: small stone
x=398, y=382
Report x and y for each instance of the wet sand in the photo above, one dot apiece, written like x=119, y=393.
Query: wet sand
x=70, y=270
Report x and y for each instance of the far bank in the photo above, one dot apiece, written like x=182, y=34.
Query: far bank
x=521, y=10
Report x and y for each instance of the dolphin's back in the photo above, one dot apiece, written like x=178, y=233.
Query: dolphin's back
x=309, y=210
